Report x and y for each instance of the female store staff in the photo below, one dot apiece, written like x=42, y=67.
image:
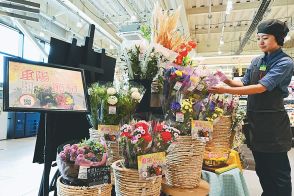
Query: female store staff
x=268, y=133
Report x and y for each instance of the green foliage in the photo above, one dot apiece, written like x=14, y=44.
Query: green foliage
x=146, y=31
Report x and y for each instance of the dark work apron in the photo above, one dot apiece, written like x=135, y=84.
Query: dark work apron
x=268, y=123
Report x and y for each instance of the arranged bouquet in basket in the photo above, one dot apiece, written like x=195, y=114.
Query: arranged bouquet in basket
x=140, y=139
x=87, y=153
x=135, y=140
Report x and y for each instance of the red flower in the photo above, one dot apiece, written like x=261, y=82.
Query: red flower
x=179, y=60
x=166, y=136
x=158, y=127
x=192, y=44
x=125, y=134
x=144, y=125
x=183, y=45
x=147, y=137
x=184, y=53
x=188, y=48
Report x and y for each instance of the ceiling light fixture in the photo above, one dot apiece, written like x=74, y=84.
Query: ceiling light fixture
x=133, y=18
x=221, y=41
x=42, y=34
x=229, y=7
x=79, y=24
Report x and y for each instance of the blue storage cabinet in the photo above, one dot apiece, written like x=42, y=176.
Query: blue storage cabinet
x=22, y=124
x=32, y=124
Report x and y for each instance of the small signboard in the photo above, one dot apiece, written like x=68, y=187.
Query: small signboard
x=202, y=130
x=33, y=86
x=98, y=175
x=151, y=165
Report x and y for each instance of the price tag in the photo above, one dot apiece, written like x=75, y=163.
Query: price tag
x=200, y=87
x=179, y=117
x=191, y=88
x=83, y=172
x=178, y=86
x=112, y=110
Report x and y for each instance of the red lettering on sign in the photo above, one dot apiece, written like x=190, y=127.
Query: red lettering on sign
x=42, y=76
x=27, y=75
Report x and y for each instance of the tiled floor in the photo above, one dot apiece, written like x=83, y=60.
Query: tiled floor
x=20, y=177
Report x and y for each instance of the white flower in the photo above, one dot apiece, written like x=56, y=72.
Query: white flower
x=139, y=136
x=143, y=131
x=152, y=54
x=111, y=91
x=90, y=91
x=176, y=134
x=112, y=100
x=133, y=89
x=144, y=174
x=136, y=95
x=164, y=126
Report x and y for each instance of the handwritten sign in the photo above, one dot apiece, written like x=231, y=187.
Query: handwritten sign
x=41, y=86
x=151, y=165
x=98, y=175
x=201, y=130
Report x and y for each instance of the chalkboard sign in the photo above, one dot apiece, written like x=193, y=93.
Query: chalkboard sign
x=35, y=86
x=98, y=175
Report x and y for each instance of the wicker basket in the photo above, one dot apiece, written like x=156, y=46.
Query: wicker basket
x=127, y=182
x=184, y=162
x=222, y=135
x=97, y=190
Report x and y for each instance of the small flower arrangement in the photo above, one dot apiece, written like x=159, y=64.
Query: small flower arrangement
x=85, y=153
x=135, y=140
x=140, y=138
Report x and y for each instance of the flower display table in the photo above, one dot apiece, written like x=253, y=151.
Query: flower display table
x=201, y=190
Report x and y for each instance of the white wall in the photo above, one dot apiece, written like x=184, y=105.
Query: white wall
x=3, y=122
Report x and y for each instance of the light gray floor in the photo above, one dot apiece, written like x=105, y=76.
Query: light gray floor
x=20, y=177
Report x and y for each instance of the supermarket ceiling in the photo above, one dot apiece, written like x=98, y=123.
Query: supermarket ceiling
x=220, y=27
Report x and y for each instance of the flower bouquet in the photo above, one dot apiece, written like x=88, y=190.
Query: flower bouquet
x=72, y=157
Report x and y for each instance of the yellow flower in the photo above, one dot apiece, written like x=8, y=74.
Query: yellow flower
x=214, y=115
x=179, y=73
x=68, y=101
x=186, y=107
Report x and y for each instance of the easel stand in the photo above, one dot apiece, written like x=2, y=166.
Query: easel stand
x=44, y=186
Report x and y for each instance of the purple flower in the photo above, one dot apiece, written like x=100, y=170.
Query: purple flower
x=198, y=107
x=211, y=80
x=175, y=106
x=211, y=106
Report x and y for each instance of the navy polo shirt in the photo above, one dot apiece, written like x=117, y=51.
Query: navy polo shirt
x=279, y=71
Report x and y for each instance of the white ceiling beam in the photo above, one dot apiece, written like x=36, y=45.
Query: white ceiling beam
x=22, y=27
x=100, y=25
x=236, y=7
x=128, y=8
x=219, y=30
